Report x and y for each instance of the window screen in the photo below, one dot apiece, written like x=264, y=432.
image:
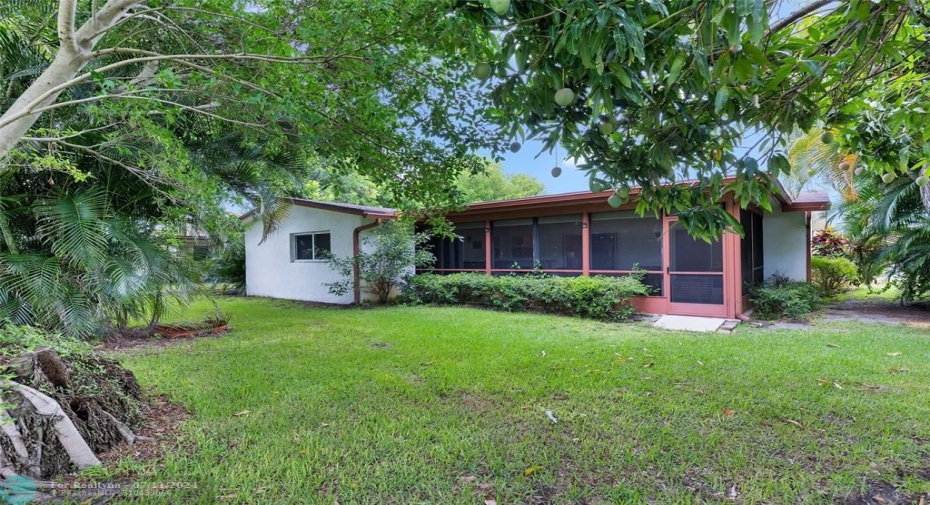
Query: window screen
x=466, y=251
x=560, y=242
x=621, y=240
x=513, y=243
x=751, y=255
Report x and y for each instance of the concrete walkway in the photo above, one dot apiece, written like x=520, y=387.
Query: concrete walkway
x=691, y=323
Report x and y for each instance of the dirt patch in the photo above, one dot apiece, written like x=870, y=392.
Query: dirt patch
x=161, y=418
x=879, y=493
x=876, y=309
x=873, y=309
x=475, y=402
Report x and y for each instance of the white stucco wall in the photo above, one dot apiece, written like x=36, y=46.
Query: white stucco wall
x=784, y=244
x=270, y=270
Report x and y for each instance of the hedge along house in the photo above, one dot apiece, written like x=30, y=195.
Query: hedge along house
x=580, y=234
x=288, y=262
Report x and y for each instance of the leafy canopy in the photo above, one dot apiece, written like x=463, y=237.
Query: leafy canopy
x=665, y=90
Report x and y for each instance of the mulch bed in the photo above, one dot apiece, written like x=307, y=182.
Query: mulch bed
x=161, y=420
x=139, y=338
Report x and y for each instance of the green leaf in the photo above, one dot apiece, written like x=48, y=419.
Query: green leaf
x=720, y=100
x=778, y=163
x=623, y=76
x=734, y=28
x=634, y=37
x=700, y=60
x=675, y=70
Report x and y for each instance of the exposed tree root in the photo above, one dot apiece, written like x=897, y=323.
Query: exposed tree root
x=59, y=413
x=80, y=453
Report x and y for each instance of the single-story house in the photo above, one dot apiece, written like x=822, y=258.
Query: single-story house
x=287, y=263
x=565, y=234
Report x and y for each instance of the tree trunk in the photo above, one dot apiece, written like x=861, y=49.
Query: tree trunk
x=75, y=51
x=65, y=67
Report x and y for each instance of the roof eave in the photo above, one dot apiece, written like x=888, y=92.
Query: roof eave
x=330, y=207
x=806, y=207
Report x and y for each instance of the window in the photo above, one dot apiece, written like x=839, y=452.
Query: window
x=200, y=252
x=310, y=246
x=751, y=250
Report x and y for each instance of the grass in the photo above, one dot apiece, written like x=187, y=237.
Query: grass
x=878, y=294
x=407, y=404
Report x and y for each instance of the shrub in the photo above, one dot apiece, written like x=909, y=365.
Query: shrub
x=832, y=276
x=602, y=298
x=778, y=299
x=385, y=262
x=228, y=267
x=830, y=243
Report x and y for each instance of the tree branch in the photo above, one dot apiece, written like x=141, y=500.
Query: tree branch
x=797, y=15
x=103, y=21
x=67, y=10
x=134, y=95
x=138, y=172
x=71, y=135
x=29, y=109
x=125, y=19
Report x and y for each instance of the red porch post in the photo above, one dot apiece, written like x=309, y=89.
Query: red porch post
x=487, y=246
x=732, y=265
x=586, y=243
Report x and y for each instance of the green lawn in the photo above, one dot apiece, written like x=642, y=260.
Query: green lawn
x=405, y=405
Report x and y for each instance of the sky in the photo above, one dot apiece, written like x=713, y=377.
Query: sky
x=525, y=161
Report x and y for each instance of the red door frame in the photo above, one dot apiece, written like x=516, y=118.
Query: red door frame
x=694, y=309
x=730, y=248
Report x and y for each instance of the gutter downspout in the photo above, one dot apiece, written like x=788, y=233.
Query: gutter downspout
x=356, y=248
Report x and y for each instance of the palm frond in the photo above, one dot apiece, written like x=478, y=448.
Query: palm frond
x=72, y=227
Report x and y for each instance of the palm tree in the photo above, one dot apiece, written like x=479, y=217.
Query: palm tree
x=78, y=263
x=890, y=223
x=813, y=160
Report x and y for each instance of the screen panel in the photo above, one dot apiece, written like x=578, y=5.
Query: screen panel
x=512, y=241
x=622, y=240
x=560, y=242
x=690, y=255
x=704, y=289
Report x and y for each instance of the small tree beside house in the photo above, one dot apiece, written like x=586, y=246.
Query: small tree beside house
x=385, y=261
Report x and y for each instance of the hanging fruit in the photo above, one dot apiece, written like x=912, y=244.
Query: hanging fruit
x=826, y=137
x=556, y=171
x=887, y=178
x=515, y=147
x=564, y=96
x=500, y=6
x=483, y=71
x=614, y=201
x=597, y=185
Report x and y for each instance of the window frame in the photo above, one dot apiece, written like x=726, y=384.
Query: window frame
x=313, y=234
